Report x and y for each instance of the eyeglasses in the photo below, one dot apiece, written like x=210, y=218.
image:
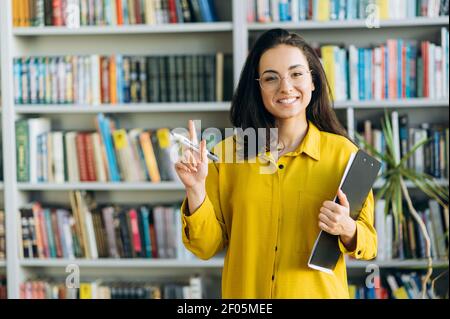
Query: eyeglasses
x=271, y=81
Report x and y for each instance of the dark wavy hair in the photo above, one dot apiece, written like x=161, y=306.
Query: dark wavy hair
x=247, y=108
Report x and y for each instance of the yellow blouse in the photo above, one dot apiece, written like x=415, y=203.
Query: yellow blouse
x=269, y=222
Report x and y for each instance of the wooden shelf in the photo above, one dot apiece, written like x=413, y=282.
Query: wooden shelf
x=126, y=29
x=124, y=108
x=350, y=24
x=121, y=186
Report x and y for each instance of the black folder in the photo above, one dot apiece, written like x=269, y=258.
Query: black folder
x=358, y=178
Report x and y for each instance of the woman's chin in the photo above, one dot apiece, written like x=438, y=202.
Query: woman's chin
x=285, y=113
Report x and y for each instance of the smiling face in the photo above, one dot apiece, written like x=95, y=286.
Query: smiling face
x=289, y=97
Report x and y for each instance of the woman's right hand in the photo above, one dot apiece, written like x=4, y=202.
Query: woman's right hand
x=192, y=167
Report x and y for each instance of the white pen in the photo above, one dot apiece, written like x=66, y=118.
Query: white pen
x=185, y=141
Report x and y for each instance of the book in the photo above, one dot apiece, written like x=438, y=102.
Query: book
x=357, y=180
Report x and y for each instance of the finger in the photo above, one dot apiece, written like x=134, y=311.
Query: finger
x=331, y=205
x=188, y=156
x=329, y=213
x=185, y=154
x=191, y=163
x=186, y=160
x=182, y=167
x=324, y=227
x=193, y=159
x=343, y=199
x=326, y=220
x=203, y=155
x=192, y=132
x=190, y=167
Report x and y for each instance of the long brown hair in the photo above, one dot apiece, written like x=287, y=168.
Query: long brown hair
x=247, y=108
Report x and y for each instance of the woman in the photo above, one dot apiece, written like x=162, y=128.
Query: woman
x=269, y=222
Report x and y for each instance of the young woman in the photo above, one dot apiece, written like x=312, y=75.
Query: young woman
x=269, y=222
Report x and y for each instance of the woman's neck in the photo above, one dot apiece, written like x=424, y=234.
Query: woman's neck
x=291, y=133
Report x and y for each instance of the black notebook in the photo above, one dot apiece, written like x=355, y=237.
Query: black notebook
x=359, y=176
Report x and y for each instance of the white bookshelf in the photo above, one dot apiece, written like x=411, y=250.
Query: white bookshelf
x=441, y=182
x=211, y=263
x=125, y=186
x=128, y=29
x=352, y=24
x=211, y=106
x=124, y=263
x=121, y=186
x=403, y=264
x=125, y=108
x=395, y=104
x=191, y=38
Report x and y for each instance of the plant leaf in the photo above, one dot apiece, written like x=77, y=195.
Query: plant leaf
x=380, y=193
x=384, y=157
x=388, y=135
x=427, y=184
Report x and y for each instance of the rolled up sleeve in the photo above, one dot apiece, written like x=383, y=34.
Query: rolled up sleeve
x=366, y=235
x=203, y=231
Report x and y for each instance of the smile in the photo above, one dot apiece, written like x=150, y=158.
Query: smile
x=288, y=101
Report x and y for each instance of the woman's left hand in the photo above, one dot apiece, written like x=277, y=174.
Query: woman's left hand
x=335, y=218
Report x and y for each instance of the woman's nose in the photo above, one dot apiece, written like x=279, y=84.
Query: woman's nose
x=286, y=85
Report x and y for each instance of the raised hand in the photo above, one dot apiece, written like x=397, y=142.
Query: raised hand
x=192, y=167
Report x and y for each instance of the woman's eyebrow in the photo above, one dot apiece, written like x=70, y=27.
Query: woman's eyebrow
x=290, y=68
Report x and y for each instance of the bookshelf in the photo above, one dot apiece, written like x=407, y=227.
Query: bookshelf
x=404, y=264
x=352, y=24
x=134, y=29
x=133, y=263
x=211, y=263
x=128, y=186
x=122, y=186
x=126, y=108
x=232, y=35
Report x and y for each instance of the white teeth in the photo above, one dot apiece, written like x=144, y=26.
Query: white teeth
x=287, y=101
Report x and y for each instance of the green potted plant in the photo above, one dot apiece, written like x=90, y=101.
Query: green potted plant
x=395, y=191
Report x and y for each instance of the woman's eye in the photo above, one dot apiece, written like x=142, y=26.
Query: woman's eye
x=269, y=79
x=296, y=75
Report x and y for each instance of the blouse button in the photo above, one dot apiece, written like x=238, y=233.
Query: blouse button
x=281, y=166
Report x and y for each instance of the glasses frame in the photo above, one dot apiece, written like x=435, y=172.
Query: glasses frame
x=281, y=80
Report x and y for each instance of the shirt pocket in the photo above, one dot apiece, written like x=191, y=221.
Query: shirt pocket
x=308, y=209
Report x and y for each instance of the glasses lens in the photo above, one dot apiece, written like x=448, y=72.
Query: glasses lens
x=270, y=81
x=298, y=76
